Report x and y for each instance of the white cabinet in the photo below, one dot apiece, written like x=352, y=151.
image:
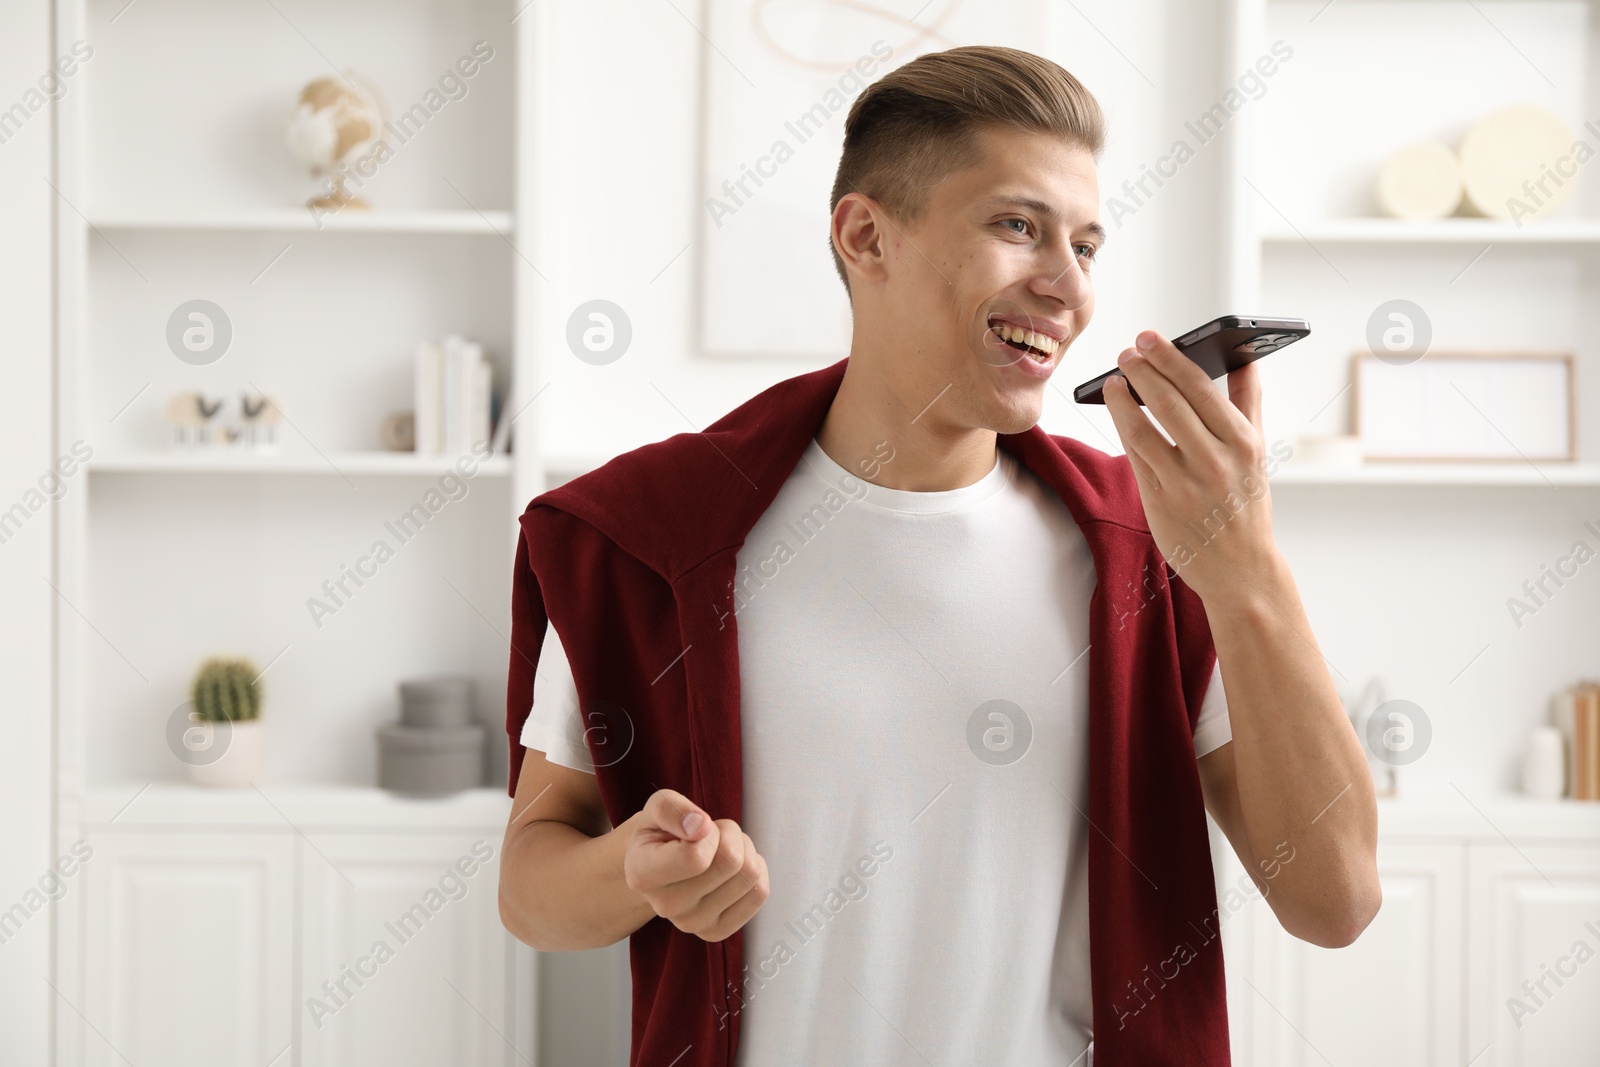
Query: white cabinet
x=403, y=954
x=1536, y=920
x=1479, y=897
x=325, y=927
x=1392, y=999
x=189, y=942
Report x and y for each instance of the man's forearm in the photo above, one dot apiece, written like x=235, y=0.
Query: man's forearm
x=1302, y=776
x=562, y=890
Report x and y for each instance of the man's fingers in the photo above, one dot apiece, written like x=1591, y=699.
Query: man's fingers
x=671, y=812
x=714, y=865
x=728, y=906
x=660, y=853
x=708, y=909
x=743, y=909
x=703, y=875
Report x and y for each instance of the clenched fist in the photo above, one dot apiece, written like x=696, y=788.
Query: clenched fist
x=705, y=877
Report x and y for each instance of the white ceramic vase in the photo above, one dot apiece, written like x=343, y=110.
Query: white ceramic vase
x=240, y=762
x=1544, y=764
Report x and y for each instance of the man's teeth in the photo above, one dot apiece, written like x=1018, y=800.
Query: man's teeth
x=1007, y=332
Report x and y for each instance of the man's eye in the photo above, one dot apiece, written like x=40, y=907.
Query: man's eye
x=1021, y=223
x=1091, y=253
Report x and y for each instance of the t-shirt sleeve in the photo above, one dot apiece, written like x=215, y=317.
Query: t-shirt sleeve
x=554, y=725
x=1213, y=730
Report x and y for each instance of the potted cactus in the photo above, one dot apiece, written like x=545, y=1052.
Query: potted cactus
x=226, y=695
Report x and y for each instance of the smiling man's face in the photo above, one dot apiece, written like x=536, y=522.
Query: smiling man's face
x=989, y=286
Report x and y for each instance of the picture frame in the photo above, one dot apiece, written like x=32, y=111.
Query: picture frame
x=1466, y=407
x=770, y=131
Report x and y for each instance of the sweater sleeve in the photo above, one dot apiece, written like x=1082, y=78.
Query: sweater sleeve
x=528, y=624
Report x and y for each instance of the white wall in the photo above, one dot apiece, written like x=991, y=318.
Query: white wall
x=618, y=176
x=26, y=452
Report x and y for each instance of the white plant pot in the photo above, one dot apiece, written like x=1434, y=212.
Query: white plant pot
x=240, y=762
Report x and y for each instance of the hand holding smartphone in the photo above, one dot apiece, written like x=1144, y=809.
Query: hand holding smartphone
x=1224, y=344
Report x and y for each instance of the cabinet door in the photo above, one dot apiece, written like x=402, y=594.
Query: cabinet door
x=1392, y=999
x=1534, y=918
x=188, y=949
x=405, y=960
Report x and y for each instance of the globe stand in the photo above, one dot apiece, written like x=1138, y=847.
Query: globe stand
x=339, y=199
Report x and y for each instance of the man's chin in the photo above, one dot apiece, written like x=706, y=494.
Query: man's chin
x=1016, y=412
x=1020, y=425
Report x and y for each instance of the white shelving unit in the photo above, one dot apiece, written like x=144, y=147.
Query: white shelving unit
x=173, y=185
x=1409, y=567
x=1301, y=225
x=326, y=312
x=1303, y=236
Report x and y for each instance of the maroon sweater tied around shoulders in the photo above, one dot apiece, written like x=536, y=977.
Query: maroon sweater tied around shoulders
x=633, y=563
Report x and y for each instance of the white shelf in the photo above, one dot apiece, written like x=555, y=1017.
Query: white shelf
x=221, y=460
x=575, y=463
x=1433, y=811
x=1426, y=812
x=1276, y=231
x=1443, y=473
x=301, y=219
x=139, y=805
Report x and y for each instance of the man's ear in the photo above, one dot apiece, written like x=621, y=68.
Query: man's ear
x=858, y=237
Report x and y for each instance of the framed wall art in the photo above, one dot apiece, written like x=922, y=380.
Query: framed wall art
x=1465, y=406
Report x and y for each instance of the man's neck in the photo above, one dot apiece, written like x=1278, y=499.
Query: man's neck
x=871, y=411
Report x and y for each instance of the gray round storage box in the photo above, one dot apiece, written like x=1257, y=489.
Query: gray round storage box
x=437, y=747
x=430, y=761
x=436, y=702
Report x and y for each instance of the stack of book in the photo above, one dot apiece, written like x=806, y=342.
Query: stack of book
x=454, y=396
x=1577, y=715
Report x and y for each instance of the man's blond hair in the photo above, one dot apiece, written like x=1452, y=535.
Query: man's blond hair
x=920, y=122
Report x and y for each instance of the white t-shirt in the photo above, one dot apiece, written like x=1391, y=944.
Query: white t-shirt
x=929, y=876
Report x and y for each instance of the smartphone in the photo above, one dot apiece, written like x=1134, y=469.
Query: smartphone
x=1221, y=345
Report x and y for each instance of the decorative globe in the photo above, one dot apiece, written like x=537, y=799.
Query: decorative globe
x=334, y=121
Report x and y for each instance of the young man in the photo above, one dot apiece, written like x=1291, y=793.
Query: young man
x=905, y=713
